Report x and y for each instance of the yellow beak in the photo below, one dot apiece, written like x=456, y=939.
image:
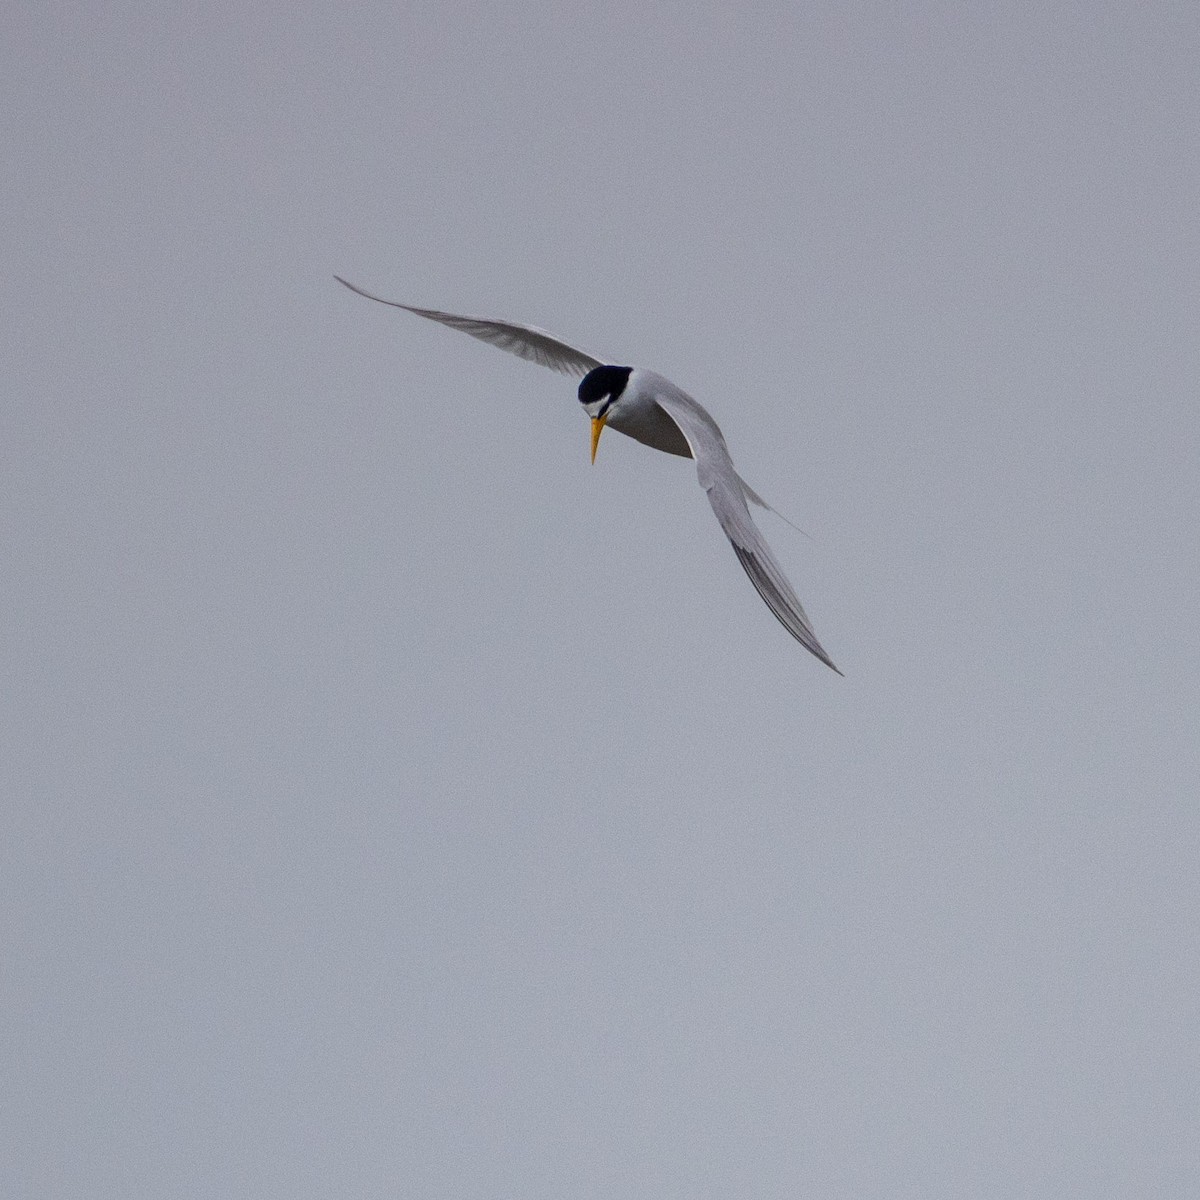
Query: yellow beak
x=597, y=430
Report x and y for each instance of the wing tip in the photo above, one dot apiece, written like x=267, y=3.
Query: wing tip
x=831, y=664
x=798, y=625
x=362, y=292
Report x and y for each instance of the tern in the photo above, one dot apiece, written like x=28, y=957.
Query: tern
x=650, y=409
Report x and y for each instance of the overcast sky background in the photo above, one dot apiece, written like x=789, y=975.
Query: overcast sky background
x=396, y=805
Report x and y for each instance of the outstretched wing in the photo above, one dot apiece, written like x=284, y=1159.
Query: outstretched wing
x=525, y=341
x=727, y=495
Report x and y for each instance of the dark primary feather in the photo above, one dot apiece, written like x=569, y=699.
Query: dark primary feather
x=782, y=601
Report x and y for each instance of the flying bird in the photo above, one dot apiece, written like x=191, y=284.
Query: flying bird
x=650, y=409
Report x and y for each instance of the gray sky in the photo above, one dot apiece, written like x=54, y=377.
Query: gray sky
x=396, y=805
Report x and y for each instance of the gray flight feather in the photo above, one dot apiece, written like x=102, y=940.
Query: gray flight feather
x=727, y=494
x=525, y=341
